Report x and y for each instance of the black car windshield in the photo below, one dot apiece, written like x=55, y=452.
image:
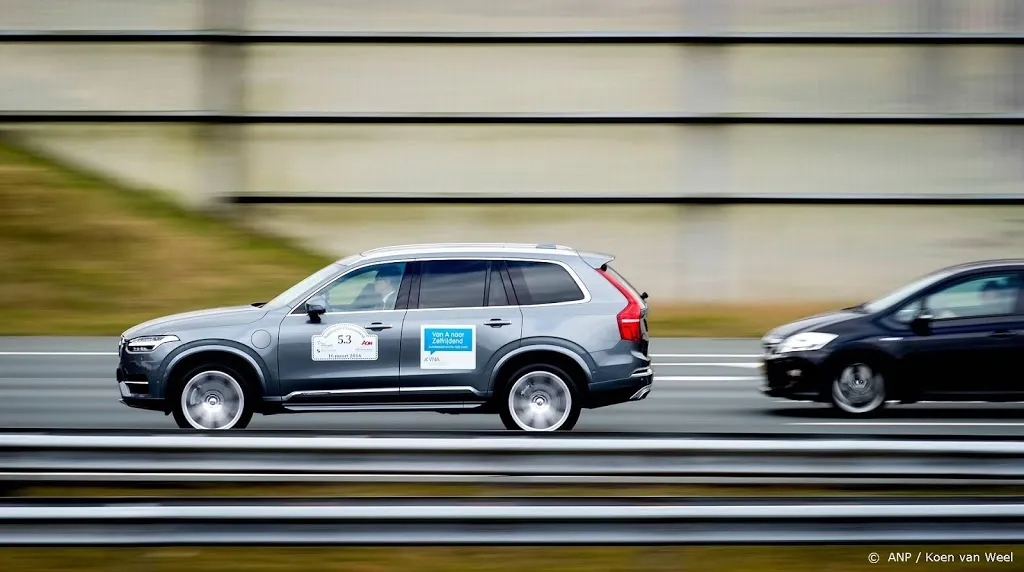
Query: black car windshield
x=903, y=292
x=305, y=284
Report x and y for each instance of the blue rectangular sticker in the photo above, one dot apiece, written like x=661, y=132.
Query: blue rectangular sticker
x=447, y=347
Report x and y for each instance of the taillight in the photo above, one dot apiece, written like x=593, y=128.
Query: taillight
x=629, y=318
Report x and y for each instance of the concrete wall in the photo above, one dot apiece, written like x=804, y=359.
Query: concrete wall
x=719, y=254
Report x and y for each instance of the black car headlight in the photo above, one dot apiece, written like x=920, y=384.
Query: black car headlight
x=805, y=342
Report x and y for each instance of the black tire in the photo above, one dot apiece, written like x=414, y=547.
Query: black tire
x=221, y=381
x=552, y=388
x=857, y=387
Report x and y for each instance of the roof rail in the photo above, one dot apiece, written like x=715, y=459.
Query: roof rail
x=465, y=245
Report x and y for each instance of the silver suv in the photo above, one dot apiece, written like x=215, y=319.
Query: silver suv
x=531, y=332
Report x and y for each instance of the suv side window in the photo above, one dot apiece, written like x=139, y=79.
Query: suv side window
x=496, y=294
x=542, y=283
x=453, y=283
x=373, y=287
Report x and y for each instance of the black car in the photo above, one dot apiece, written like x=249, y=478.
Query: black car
x=956, y=334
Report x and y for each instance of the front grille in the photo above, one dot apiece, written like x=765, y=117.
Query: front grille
x=769, y=346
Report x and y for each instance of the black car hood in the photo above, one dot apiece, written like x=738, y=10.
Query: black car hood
x=816, y=322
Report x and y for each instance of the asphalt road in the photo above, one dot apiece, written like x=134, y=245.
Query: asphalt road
x=700, y=386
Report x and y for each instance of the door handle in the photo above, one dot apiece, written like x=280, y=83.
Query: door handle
x=376, y=326
x=497, y=323
x=1003, y=334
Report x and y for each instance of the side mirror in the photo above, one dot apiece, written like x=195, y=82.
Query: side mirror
x=921, y=324
x=315, y=309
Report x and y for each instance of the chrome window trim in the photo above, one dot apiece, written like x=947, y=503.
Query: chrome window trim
x=572, y=272
x=391, y=389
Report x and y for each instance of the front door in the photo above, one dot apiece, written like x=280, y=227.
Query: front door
x=970, y=342
x=460, y=322
x=350, y=356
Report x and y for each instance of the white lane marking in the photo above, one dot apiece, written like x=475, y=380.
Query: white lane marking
x=747, y=365
x=707, y=355
x=909, y=424
x=58, y=353
x=705, y=378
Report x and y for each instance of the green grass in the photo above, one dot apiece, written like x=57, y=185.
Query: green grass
x=491, y=559
x=80, y=255
x=484, y=489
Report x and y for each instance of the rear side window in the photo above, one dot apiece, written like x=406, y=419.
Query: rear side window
x=496, y=295
x=542, y=283
x=453, y=284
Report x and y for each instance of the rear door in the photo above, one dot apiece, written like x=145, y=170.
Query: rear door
x=461, y=319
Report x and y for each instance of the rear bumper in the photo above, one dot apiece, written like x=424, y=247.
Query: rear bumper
x=636, y=387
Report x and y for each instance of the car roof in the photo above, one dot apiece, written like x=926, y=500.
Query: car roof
x=470, y=248
x=984, y=264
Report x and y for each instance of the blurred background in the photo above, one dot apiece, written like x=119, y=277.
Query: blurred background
x=747, y=161
x=740, y=157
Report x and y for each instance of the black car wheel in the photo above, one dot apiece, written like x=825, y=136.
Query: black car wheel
x=858, y=388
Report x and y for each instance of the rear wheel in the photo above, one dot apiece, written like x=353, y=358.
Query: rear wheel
x=540, y=398
x=212, y=397
x=858, y=388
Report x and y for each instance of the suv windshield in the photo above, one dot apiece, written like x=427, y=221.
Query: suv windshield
x=303, y=285
x=902, y=292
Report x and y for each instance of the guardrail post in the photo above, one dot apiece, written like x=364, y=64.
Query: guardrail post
x=703, y=241
x=222, y=149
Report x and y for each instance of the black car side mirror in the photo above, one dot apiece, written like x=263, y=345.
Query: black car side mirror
x=315, y=309
x=921, y=324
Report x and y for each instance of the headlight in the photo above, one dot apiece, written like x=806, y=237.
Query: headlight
x=805, y=342
x=146, y=344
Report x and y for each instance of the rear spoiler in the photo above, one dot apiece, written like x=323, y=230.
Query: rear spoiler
x=596, y=259
x=600, y=261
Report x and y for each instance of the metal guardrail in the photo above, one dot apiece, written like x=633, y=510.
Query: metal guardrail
x=690, y=199
x=507, y=521
x=32, y=458
x=211, y=117
x=633, y=37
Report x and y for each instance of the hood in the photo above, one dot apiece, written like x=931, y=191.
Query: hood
x=213, y=317
x=816, y=322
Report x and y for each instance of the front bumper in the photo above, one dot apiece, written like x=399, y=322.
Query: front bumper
x=139, y=401
x=634, y=388
x=138, y=379
x=797, y=375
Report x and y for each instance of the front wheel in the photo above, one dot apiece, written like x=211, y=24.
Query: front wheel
x=212, y=398
x=858, y=389
x=540, y=398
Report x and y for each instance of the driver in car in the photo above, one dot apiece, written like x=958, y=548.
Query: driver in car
x=997, y=298
x=386, y=285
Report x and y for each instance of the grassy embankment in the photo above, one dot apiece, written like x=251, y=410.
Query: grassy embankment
x=477, y=558
x=79, y=255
